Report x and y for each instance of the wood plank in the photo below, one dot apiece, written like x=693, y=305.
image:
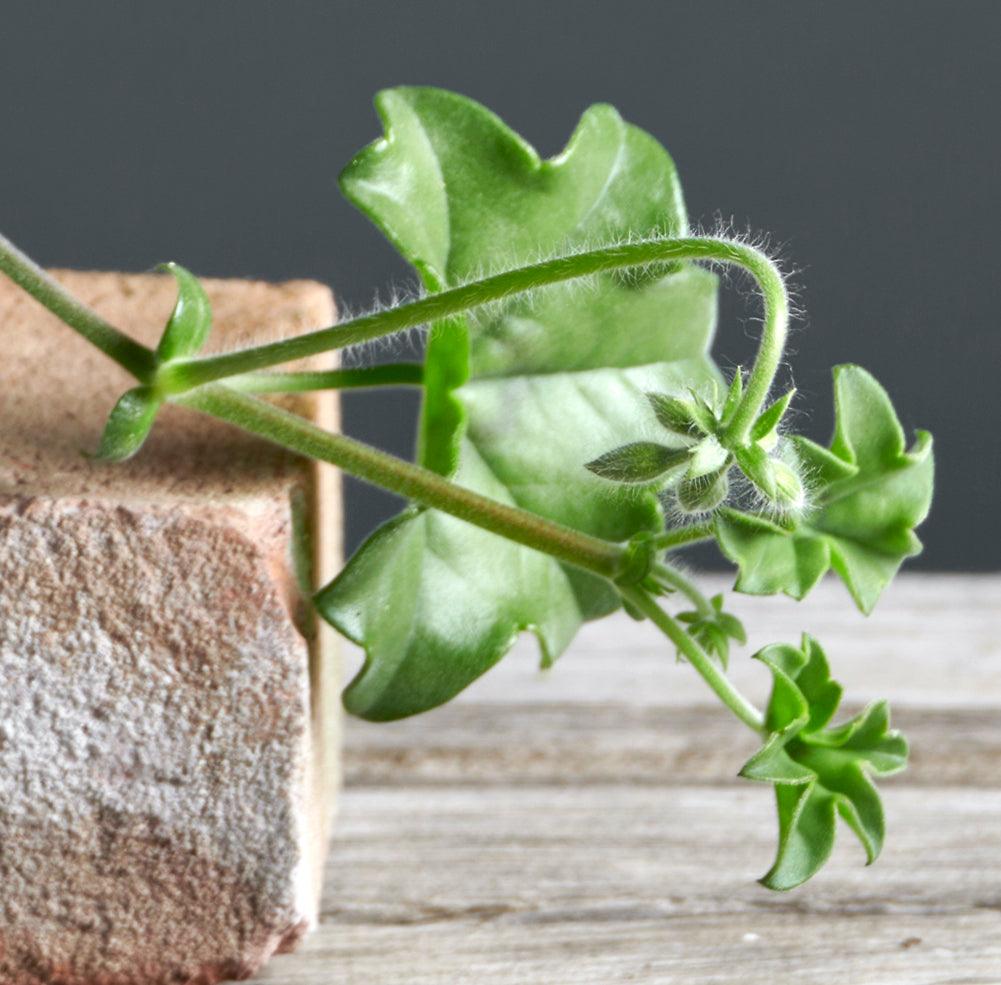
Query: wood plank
x=619, y=707
x=610, y=884
x=477, y=744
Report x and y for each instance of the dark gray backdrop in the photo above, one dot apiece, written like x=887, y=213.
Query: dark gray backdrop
x=863, y=135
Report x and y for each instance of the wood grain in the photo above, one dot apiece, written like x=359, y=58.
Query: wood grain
x=586, y=826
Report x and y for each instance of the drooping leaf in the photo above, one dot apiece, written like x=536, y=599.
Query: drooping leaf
x=820, y=771
x=530, y=390
x=191, y=320
x=867, y=494
x=437, y=602
x=128, y=425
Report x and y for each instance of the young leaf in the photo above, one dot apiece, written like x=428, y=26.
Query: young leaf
x=638, y=462
x=820, y=772
x=868, y=494
x=533, y=388
x=128, y=425
x=191, y=320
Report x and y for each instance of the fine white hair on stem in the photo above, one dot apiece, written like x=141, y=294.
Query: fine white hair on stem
x=575, y=291
x=408, y=341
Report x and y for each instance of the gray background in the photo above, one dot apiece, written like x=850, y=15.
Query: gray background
x=864, y=136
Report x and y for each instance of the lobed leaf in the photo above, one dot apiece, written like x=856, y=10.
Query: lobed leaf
x=519, y=398
x=820, y=772
x=868, y=493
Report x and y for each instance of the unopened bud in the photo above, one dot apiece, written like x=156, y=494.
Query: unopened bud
x=788, y=486
x=703, y=493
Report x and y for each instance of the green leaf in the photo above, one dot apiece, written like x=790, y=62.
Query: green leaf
x=191, y=320
x=638, y=462
x=128, y=425
x=820, y=772
x=529, y=390
x=436, y=602
x=866, y=495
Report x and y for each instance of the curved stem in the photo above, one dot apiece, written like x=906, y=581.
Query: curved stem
x=181, y=376
x=23, y=271
x=682, y=536
x=698, y=658
x=671, y=577
x=387, y=374
x=284, y=428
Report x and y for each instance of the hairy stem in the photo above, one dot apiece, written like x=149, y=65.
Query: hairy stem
x=388, y=374
x=697, y=657
x=23, y=271
x=182, y=376
x=601, y=557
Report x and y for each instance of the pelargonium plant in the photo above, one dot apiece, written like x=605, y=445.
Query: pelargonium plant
x=574, y=434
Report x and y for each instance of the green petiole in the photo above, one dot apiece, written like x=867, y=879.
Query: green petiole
x=390, y=374
x=282, y=427
x=697, y=657
x=682, y=536
x=670, y=577
x=185, y=375
x=23, y=271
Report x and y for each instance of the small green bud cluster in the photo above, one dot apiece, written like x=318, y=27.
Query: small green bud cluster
x=713, y=630
x=698, y=471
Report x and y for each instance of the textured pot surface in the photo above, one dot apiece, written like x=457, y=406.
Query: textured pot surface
x=168, y=711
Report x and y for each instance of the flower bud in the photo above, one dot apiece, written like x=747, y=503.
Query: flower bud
x=788, y=486
x=703, y=493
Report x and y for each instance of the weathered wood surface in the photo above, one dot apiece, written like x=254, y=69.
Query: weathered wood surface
x=586, y=825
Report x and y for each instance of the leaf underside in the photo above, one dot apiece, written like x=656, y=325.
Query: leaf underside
x=518, y=398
